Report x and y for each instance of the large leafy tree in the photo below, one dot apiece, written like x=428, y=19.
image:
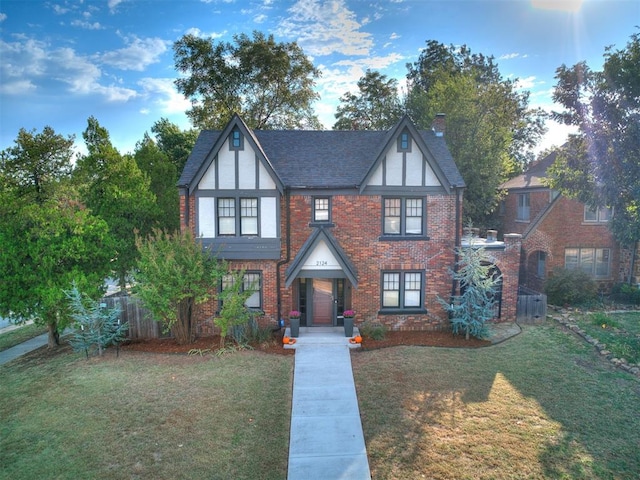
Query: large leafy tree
x=175, y=274
x=269, y=83
x=163, y=176
x=47, y=238
x=600, y=165
x=376, y=106
x=174, y=142
x=115, y=189
x=490, y=129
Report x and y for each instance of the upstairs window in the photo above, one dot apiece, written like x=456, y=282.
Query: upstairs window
x=226, y=216
x=230, y=223
x=403, y=216
x=597, y=215
x=249, y=216
x=404, y=142
x=524, y=207
x=237, y=140
x=321, y=209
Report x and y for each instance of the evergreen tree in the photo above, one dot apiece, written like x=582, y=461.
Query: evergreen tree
x=474, y=306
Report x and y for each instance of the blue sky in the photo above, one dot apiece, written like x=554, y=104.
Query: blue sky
x=62, y=61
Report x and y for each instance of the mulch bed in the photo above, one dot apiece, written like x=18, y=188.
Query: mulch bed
x=392, y=339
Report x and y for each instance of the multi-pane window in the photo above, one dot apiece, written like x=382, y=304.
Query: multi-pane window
x=252, y=281
x=402, y=290
x=404, y=142
x=236, y=140
x=226, y=216
x=403, y=216
x=248, y=216
x=597, y=215
x=594, y=261
x=524, y=207
x=229, y=224
x=321, y=209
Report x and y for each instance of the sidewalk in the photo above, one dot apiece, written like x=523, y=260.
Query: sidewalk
x=22, y=348
x=326, y=440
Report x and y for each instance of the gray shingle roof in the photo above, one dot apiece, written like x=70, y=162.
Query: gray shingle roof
x=532, y=178
x=321, y=159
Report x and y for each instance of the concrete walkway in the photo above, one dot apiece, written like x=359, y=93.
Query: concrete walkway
x=326, y=440
x=14, y=352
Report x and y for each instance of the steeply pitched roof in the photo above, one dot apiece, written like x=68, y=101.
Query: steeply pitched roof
x=532, y=178
x=319, y=159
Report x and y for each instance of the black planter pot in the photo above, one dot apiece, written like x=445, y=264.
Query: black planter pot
x=348, y=327
x=295, y=326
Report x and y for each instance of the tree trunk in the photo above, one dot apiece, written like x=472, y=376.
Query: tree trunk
x=54, y=336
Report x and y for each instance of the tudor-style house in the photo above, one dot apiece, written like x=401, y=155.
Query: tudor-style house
x=558, y=232
x=327, y=221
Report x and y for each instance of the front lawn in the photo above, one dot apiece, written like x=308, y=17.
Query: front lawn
x=542, y=405
x=145, y=416
x=619, y=331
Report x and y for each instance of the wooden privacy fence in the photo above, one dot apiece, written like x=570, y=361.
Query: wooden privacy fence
x=142, y=326
x=532, y=306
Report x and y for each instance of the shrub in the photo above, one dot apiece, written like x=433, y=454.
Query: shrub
x=374, y=330
x=626, y=293
x=95, y=326
x=570, y=287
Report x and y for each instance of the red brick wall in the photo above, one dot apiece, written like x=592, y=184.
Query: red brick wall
x=358, y=223
x=562, y=227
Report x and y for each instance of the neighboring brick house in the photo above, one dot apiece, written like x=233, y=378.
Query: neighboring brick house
x=558, y=231
x=325, y=221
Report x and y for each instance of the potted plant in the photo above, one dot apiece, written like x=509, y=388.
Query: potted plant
x=348, y=322
x=294, y=322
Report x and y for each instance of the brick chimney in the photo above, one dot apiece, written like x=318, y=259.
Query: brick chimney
x=439, y=124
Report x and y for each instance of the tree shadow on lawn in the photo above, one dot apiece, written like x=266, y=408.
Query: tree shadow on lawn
x=542, y=404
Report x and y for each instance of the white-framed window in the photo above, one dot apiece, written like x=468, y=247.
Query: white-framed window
x=524, y=206
x=402, y=290
x=597, y=215
x=403, y=216
x=322, y=209
x=594, y=261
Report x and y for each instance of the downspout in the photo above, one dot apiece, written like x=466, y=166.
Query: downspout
x=457, y=241
x=288, y=254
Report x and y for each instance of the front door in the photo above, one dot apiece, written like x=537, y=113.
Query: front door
x=322, y=301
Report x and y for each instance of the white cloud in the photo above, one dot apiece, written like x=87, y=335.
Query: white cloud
x=31, y=64
x=508, y=56
x=261, y=18
x=112, y=4
x=394, y=36
x=17, y=87
x=3, y=17
x=526, y=83
x=196, y=32
x=87, y=25
x=323, y=28
x=59, y=9
x=137, y=55
x=163, y=93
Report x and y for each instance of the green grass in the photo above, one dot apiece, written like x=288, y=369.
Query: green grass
x=146, y=416
x=620, y=332
x=19, y=335
x=542, y=405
